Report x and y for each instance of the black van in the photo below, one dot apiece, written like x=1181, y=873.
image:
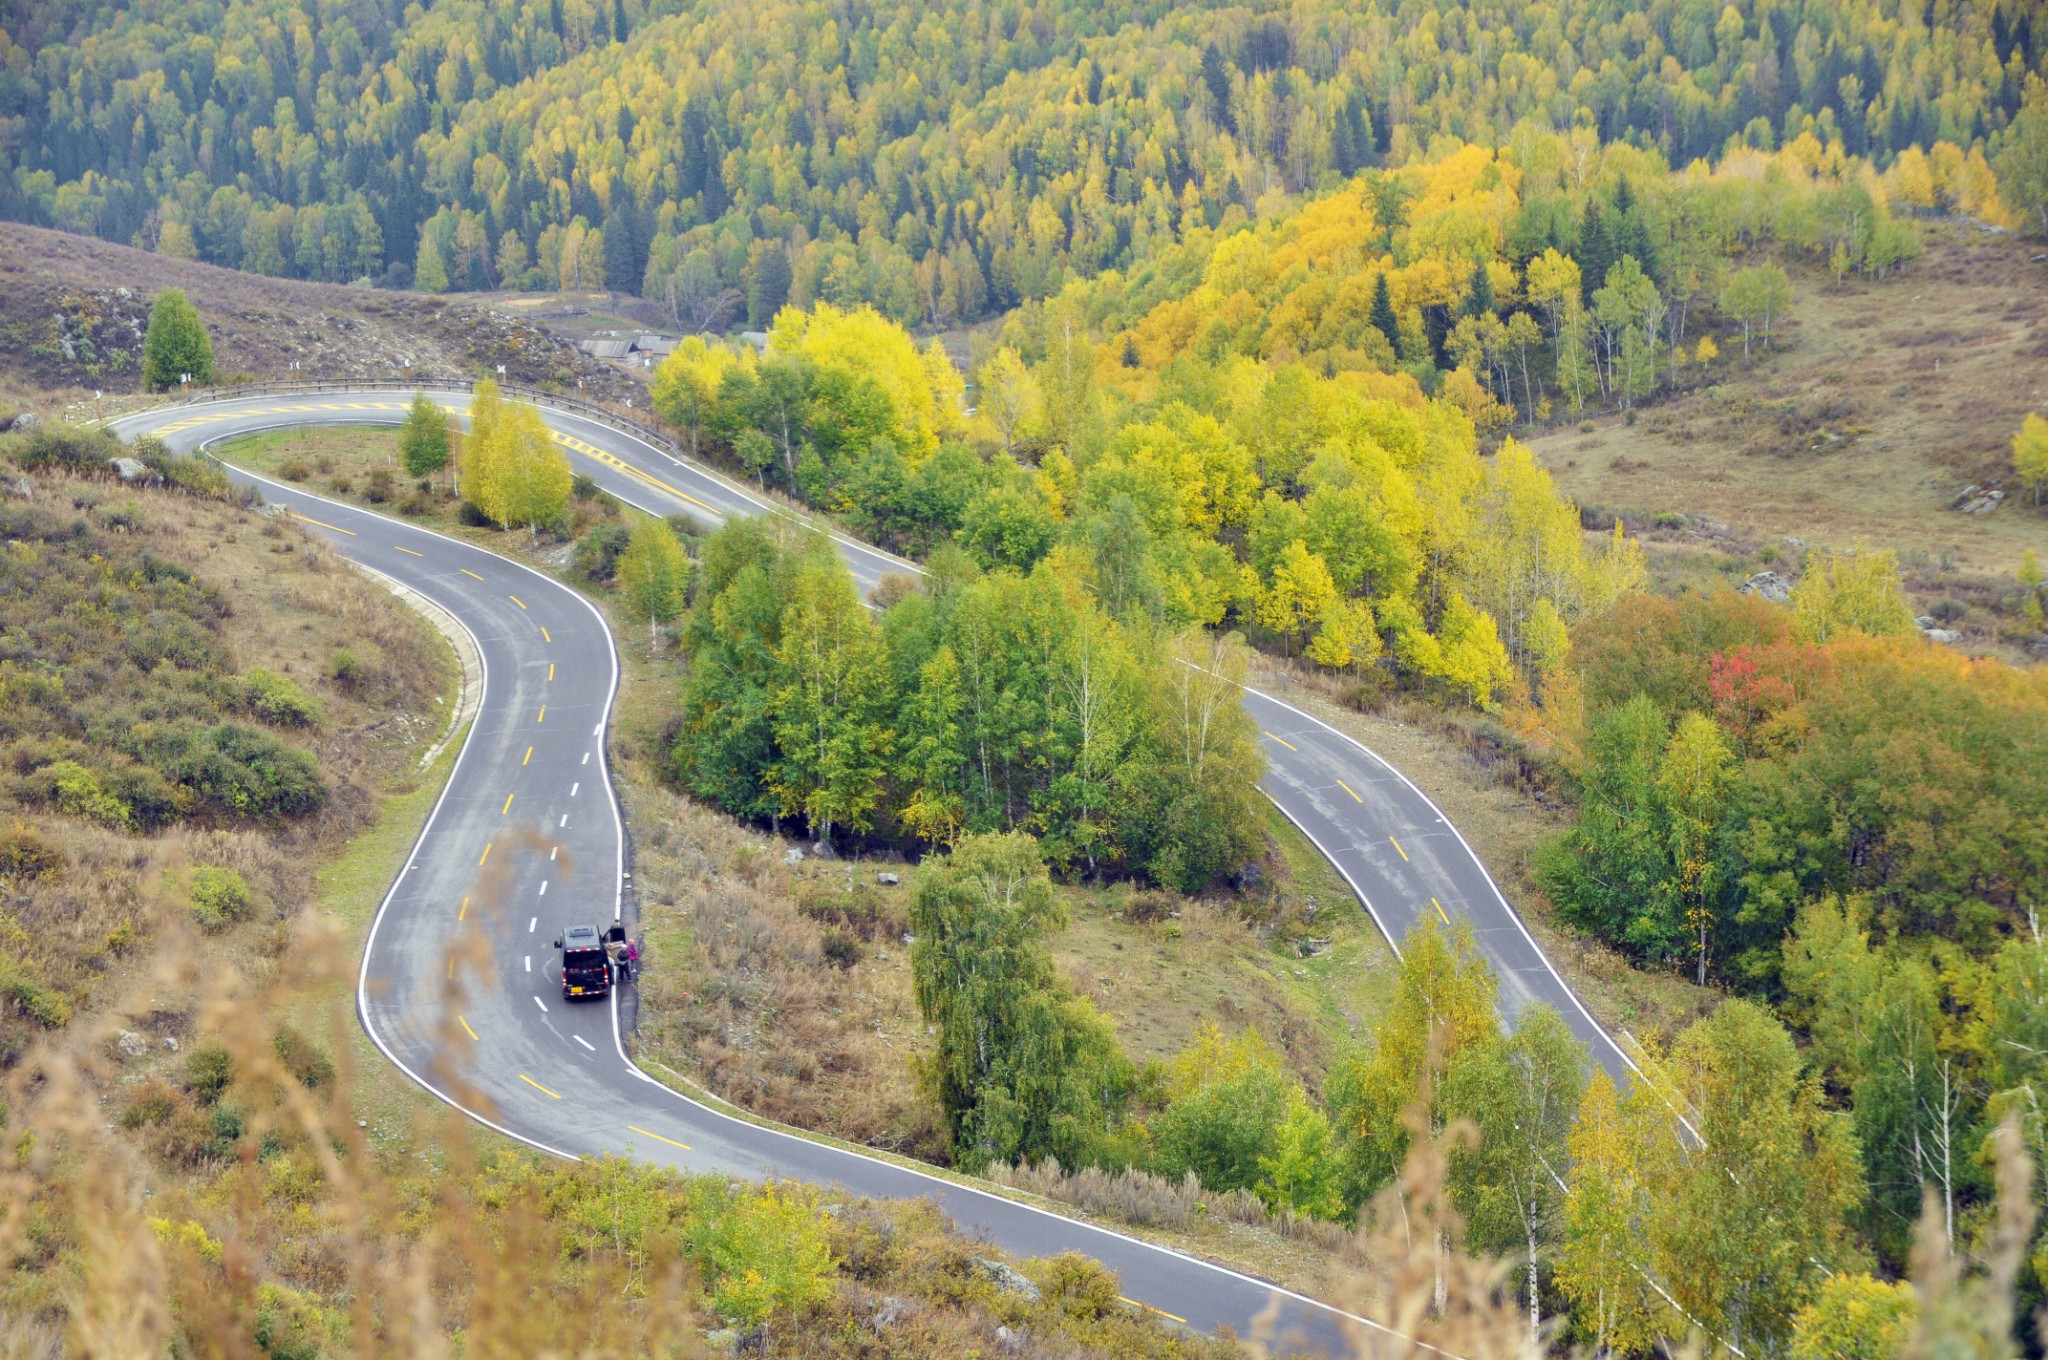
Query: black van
x=586, y=970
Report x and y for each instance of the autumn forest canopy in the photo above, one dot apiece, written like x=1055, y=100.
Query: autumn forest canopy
x=941, y=163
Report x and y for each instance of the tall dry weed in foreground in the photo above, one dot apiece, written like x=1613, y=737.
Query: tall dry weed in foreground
x=303, y=1232
x=1965, y=1313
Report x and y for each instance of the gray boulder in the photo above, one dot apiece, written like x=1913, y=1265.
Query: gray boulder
x=1006, y=1278
x=132, y=470
x=25, y=421
x=1768, y=585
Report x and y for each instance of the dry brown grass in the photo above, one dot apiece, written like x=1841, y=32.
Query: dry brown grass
x=1886, y=400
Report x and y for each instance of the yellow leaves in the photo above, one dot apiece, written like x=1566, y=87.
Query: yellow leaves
x=1210, y=472
x=1335, y=234
x=1212, y=1057
x=924, y=388
x=1345, y=636
x=511, y=468
x=2030, y=453
x=1464, y=390
x=189, y=1236
x=1301, y=590
x=1854, y=591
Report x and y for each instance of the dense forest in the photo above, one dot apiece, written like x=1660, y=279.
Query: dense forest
x=1346, y=518
x=938, y=163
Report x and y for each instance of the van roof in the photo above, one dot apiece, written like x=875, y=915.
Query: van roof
x=580, y=935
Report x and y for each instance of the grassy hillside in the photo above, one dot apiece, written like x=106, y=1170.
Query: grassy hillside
x=198, y=705
x=73, y=311
x=1879, y=406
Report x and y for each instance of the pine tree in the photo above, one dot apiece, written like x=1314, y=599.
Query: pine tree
x=1596, y=253
x=176, y=346
x=1479, y=297
x=1383, y=318
x=767, y=280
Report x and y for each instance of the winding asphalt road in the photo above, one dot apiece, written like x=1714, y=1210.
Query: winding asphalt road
x=458, y=984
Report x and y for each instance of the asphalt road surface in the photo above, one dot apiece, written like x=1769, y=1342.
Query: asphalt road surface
x=459, y=986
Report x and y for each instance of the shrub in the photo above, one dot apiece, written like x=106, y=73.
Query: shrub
x=276, y=699
x=20, y=986
x=343, y=485
x=840, y=948
x=310, y=1065
x=67, y=448
x=208, y=1070
x=151, y=1102
x=1081, y=1288
x=153, y=801
x=598, y=552
x=200, y=478
x=377, y=487
x=583, y=486
x=765, y=1250
x=27, y=853
x=344, y=668
x=76, y=790
x=294, y=470
x=243, y=770
x=220, y=897
x=468, y=514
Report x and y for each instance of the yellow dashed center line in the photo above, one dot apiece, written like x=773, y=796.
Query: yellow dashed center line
x=1148, y=1307
x=484, y=856
x=1347, y=788
x=538, y=1087
x=1439, y=910
x=1284, y=742
x=516, y=600
x=324, y=524
x=529, y=756
x=1398, y=850
x=543, y=714
x=601, y=456
x=657, y=1137
x=408, y=551
x=463, y=915
x=551, y=670
x=466, y=1028
x=451, y=966
x=544, y=634
x=467, y=572
x=508, y=805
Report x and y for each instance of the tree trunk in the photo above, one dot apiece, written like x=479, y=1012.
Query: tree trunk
x=1535, y=1316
